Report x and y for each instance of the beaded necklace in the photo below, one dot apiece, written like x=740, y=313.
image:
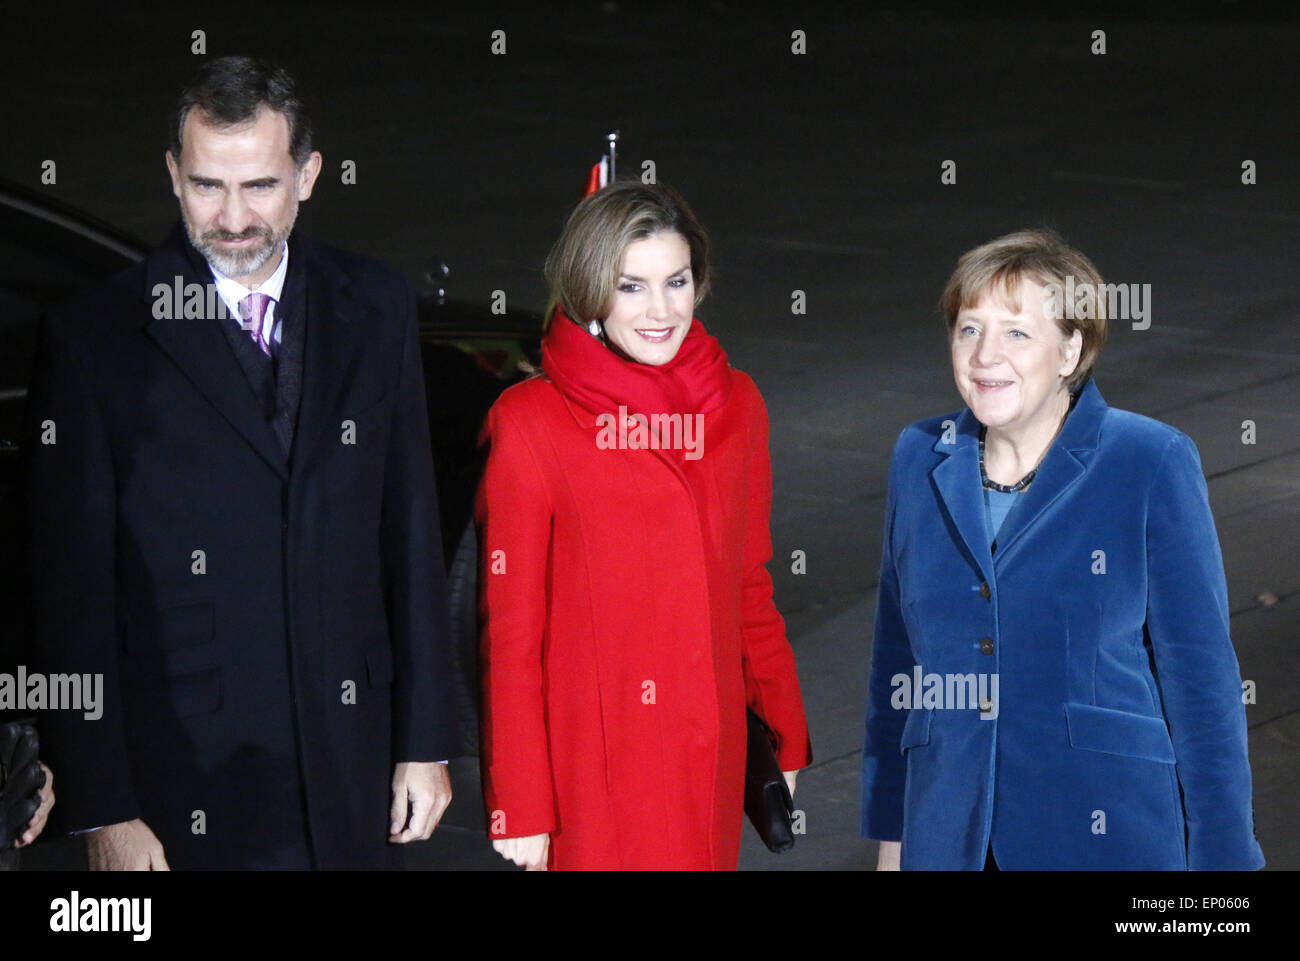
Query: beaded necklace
x=1028, y=478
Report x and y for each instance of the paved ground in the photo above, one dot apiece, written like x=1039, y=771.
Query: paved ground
x=819, y=173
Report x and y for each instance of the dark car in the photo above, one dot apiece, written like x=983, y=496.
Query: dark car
x=49, y=251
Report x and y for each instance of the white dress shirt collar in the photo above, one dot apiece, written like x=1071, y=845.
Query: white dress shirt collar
x=232, y=292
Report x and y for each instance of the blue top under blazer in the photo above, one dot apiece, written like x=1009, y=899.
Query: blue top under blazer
x=1117, y=681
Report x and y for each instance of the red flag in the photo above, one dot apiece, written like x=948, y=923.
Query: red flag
x=598, y=177
x=602, y=174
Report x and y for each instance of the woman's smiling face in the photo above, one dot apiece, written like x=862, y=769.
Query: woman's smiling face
x=654, y=299
x=1010, y=365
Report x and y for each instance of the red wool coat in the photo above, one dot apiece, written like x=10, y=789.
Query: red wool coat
x=627, y=621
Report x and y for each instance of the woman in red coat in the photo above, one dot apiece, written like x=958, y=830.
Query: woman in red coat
x=627, y=617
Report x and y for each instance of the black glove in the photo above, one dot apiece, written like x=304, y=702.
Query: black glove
x=21, y=780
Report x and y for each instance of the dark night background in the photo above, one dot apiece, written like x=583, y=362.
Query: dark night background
x=817, y=172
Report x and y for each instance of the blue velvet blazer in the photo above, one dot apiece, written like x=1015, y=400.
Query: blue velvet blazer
x=1115, y=736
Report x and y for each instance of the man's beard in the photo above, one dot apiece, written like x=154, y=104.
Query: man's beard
x=238, y=263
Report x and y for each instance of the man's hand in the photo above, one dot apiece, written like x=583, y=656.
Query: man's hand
x=37, y=824
x=127, y=846
x=421, y=791
x=530, y=853
x=889, y=857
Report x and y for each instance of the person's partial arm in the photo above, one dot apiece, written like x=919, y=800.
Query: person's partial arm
x=416, y=594
x=73, y=554
x=1196, y=666
x=415, y=581
x=771, y=681
x=514, y=517
x=884, y=769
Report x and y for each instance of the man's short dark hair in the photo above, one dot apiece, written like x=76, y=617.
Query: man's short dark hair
x=230, y=91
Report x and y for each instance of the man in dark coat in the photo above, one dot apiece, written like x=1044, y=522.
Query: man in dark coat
x=235, y=523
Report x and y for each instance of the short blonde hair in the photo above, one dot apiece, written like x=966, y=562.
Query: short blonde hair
x=1041, y=255
x=583, y=267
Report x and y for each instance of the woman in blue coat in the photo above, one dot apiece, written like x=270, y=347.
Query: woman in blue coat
x=1053, y=684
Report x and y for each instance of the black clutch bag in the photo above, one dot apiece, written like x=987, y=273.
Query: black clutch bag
x=767, y=800
x=21, y=779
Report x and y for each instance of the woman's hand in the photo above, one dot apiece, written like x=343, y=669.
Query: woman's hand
x=789, y=780
x=530, y=852
x=37, y=824
x=888, y=859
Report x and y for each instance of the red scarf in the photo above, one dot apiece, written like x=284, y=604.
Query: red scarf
x=696, y=381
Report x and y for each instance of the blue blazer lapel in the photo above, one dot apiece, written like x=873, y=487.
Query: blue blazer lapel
x=956, y=478
x=1061, y=469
